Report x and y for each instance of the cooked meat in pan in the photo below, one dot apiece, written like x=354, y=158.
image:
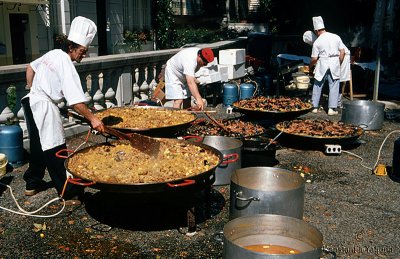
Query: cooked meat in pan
x=277, y=104
x=318, y=128
x=236, y=127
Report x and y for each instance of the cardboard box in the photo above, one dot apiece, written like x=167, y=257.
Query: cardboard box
x=210, y=78
x=207, y=70
x=236, y=71
x=223, y=72
x=158, y=93
x=232, y=56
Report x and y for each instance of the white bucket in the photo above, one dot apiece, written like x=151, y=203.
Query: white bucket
x=3, y=164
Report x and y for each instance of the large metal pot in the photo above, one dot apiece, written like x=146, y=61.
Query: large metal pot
x=266, y=190
x=258, y=151
x=368, y=115
x=275, y=230
x=231, y=150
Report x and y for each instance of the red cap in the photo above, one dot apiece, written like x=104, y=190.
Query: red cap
x=207, y=55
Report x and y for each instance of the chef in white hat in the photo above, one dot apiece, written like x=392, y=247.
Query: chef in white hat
x=345, y=73
x=51, y=79
x=309, y=37
x=327, y=54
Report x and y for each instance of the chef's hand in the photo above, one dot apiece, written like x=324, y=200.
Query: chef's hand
x=200, y=104
x=97, y=124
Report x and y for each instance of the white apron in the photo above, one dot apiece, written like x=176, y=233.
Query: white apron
x=174, y=87
x=325, y=63
x=47, y=119
x=345, y=69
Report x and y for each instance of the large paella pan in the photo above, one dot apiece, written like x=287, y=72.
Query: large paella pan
x=237, y=128
x=319, y=131
x=153, y=121
x=278, y=108
x=118, y=167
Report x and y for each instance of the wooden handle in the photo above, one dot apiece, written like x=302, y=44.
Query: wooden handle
x=217, y=123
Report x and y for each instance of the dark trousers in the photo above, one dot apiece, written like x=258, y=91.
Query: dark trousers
x=39, y=160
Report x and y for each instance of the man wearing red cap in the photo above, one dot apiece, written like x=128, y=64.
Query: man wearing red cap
x=180, y=76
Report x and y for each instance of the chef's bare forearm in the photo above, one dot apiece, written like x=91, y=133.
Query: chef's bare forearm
x=194, y=90
x=313, y=62
x=341, y=55
x=30, y=73
x=83, y=110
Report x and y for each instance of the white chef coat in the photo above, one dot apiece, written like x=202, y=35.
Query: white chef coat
x=55, y=78
x=345, y=66
x=181, y=64
x=326, y=48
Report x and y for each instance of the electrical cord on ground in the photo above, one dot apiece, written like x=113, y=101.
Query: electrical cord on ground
x=33, y=213
x=379, y=151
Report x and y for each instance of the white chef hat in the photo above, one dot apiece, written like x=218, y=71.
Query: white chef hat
x=318, y=23
x=82, y=31
x=309, y=37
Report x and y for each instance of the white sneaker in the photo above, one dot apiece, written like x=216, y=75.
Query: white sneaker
x=332, y=112
x=315, y=110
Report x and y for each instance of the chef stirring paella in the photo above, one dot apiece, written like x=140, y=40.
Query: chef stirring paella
x=120, y=163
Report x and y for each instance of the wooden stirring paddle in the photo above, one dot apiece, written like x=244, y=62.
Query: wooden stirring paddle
x=144, y=144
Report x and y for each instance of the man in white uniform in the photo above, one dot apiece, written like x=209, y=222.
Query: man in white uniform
x=52, y=78
x=180, y=80
x=327, y=54
x=345, y=73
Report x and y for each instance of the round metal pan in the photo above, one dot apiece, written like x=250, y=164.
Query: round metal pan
x=302, y=139
x=203, y=124
x=161, y=132
x=206, y=178
x=275, y=115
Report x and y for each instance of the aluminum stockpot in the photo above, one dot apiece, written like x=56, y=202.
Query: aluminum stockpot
x=269, y=229
x=368, y=115
x=231, y=150
x=266, y=190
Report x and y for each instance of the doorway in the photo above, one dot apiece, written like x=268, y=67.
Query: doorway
x=101, y=7
x=18, y=27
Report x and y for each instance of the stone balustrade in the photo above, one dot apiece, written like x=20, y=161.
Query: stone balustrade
x=108, y=81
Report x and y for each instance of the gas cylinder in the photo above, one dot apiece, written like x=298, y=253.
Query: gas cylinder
x=11, y=144
x=268, y=85
x=230, y=94
x=246, y=91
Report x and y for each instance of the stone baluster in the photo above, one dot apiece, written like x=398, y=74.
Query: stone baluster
x=107, y=88
x=144, y=87
x=149, y=80
x=98, y=96
x=124, y=93
x=136, y=88
x=153, y=82
x=86, y=82
x=20, y=92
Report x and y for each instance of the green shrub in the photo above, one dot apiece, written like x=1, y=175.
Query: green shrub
x=134, y=39
x=164, y=24
x=12, y=97
x=189, y=35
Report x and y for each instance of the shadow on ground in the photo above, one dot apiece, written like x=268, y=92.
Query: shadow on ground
x=154, y=212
